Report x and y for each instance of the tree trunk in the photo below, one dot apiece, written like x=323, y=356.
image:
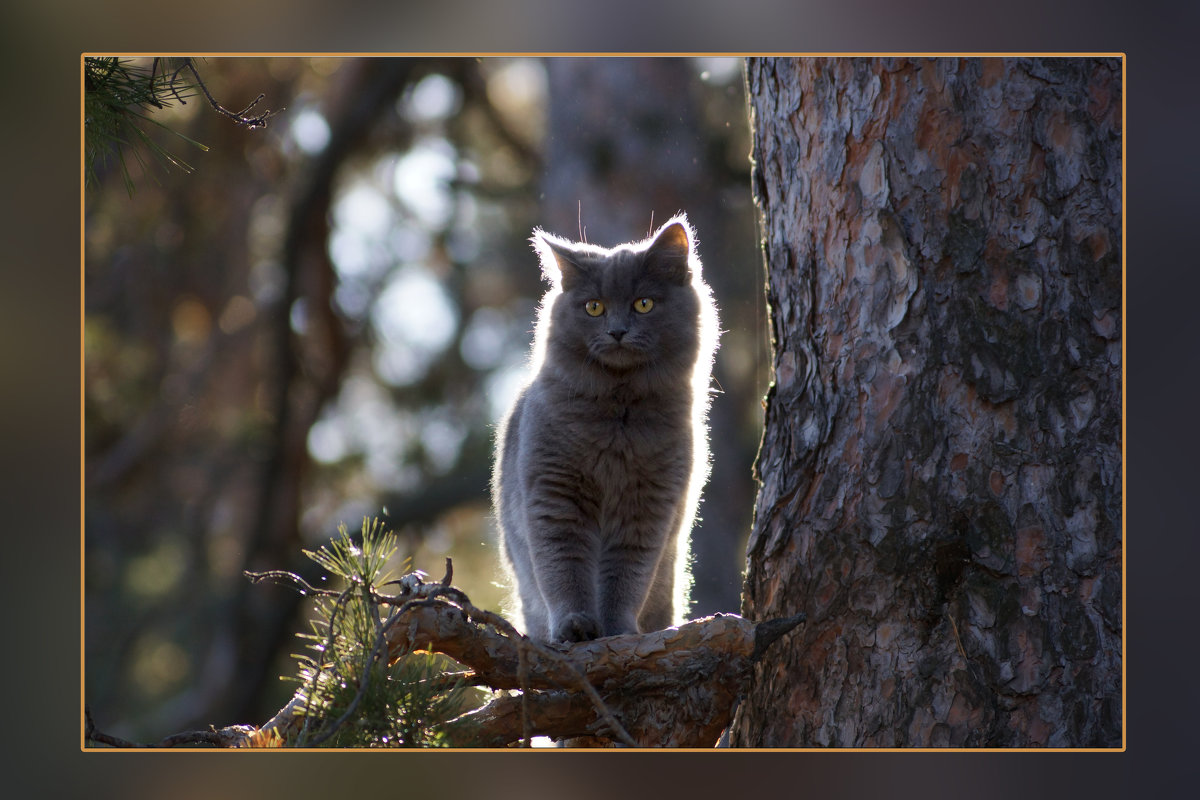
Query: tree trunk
x=940, y=472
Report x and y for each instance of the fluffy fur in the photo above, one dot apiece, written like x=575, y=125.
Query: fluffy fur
x=600, y=461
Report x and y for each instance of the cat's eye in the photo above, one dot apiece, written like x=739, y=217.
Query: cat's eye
x=643, y=304
x=594, y=308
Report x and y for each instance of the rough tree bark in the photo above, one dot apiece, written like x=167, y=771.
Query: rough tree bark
x=940, y=474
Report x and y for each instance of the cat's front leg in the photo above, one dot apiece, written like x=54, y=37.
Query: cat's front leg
x=626, y=573
x=569, y=588
x=564, y=556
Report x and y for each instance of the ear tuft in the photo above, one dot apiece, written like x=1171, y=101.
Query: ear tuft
x=673, y=240
x=559, y=263
x=670, y=252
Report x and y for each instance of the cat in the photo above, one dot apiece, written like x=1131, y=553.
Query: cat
x=600, y=460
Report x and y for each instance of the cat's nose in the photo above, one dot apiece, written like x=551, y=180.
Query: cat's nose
x=617, y=333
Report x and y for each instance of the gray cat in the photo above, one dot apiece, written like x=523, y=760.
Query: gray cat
x=600, y=461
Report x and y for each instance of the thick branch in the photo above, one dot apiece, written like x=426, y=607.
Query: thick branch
x=503, y=721
x=670, y=688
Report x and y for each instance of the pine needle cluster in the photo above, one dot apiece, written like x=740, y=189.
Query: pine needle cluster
x=352, y=696
x=119, y=96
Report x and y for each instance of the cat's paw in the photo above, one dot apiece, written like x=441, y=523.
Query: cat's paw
x=577, y=627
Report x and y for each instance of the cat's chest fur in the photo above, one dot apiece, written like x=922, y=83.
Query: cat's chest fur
x=636, y=437
x=624, y=460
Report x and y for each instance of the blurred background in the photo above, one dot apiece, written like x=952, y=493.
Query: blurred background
x=324, y=320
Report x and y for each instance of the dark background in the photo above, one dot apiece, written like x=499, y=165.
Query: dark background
x=39, y=342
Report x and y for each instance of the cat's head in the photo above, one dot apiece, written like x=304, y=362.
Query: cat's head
x=628, y=308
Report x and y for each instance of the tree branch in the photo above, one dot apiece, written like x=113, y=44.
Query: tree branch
x=237, y=116
x=231, y=736
x=671, y=688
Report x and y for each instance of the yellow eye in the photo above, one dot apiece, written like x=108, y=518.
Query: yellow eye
x=594, y=308
x=643, y=304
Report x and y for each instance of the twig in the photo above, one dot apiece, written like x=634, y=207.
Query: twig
x=230, y=736
x=364, y=680
x=92, y=734
x=154, y=101
x=339, y=604
x=525, y=643
x=237, y=116
x=282, y=577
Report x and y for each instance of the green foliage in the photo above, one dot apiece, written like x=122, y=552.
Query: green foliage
x=353, y=697
x=118, y=97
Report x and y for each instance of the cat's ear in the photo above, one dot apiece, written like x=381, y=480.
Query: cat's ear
x=560, y=264
x=670, y=254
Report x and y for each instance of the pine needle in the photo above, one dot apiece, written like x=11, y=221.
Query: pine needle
x=119, y=95
x=352, y=695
